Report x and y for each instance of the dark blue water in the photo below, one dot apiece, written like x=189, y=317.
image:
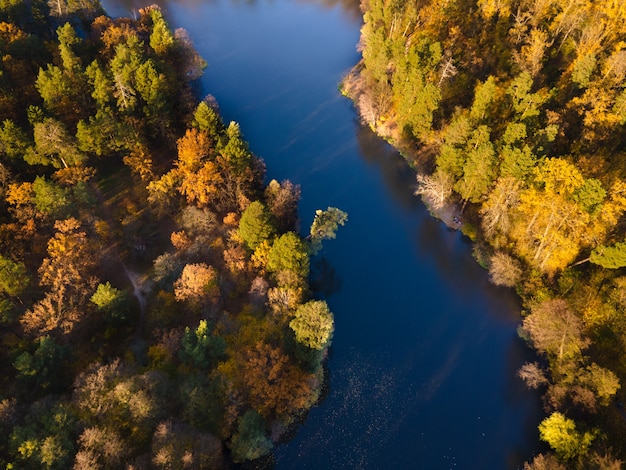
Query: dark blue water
x=422, y=367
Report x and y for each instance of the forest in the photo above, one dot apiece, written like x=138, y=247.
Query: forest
x=513, y=112
x=155, y=310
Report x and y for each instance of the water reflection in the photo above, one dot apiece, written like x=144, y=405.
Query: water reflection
x=450, y=251
x=324, y=279
x=518, y=395
x=398, y=176
x=351, y=8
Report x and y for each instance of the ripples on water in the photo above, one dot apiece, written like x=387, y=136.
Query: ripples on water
x=369, y=405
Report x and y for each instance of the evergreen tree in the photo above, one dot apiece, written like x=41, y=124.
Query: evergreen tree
x=256, y=225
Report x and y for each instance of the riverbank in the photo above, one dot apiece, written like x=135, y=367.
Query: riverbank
x=556, y=313
x=421, y=159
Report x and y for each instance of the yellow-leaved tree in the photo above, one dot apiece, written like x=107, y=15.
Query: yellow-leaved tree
x=559, y=214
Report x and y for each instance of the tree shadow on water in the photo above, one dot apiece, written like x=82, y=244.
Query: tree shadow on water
x=397, y=175
x=324, y=279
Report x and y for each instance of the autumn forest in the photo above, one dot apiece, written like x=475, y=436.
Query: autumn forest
x=155, y=306
x=155, y=310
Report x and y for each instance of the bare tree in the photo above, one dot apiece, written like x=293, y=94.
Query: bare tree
x=555, y=331
x=533, y=375
x=435, y=189
x=504, y=270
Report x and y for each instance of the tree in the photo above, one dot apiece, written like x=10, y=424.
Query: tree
x=515, y=132
x=208, y=120
x=140, y=163
x=100, y=447
x=496, y=210
x=13, y=140
x=544, y=462
x=590, y=195
x=504, y=270
x=161, y=37
x=250, y=441
x=601, y=381
x=114, y=303
x=193, y=148
x=19, y=196
x=44, y=439
x=256, y=225
x=70, y=99
x=86, y=9
x=103, y=134
x=583, y=68
x=54, y=146
x=282, y=200
x=610, y=257
x=479, y=167
x=116, y=400
x=196, y=172
x=313, y=324
x=44, y=367
x=201, y=347
x=50, y=199
x=67, y=40
x=101, y=83
x=525, y=103
x=549, y=226
x=531, y=56
x=490, y=8
x=415, y=95
x=284, y=300
x=127, y=59
x=435, y=189
x=192, y=64
x=14, y=278
x=66, y=272
x=517, y=162
x=555, y=331
x=199, y=223
x=289, y=253
x=533, y=375
x=197, y=284
x=153, y=87
x=236, y=153
x=561, y=434
x=167, y=268
x=54, y=86
x=484, y=95
x=276, y=387
x=178, y=445
x=450, y=161
x=325, y=225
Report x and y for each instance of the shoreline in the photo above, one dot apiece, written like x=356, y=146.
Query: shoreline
x=351, y=86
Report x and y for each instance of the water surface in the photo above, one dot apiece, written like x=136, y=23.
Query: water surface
x=422, y=367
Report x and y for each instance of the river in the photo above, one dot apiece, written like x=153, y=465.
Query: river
x=423, y=362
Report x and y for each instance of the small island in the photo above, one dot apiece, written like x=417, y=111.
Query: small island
x=155, y=310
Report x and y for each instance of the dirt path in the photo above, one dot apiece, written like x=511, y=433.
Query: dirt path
x=133, y=277
x=138, y=292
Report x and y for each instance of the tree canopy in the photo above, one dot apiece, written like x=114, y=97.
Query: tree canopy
x=148, y=276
